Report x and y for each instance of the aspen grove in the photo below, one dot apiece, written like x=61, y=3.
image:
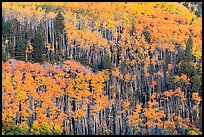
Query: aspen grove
x=101, y=68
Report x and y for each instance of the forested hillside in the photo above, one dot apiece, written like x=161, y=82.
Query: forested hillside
x=99, y=68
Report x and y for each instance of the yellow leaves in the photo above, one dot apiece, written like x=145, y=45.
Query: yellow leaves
x=23, y=128
x=161, y=114
x=6, y=42
x=197, y=50
x=108, y=131
x=53, y=111
x=138, y=107
x=68, y=121
x=126, y=105
x=58, y=92
x=167, y=93
x=153, y=96
x=88, y=76
x=21, y=95
x=169, y=124
x=103, y=101
x=97, y=83
x=9, y=113
x=82, y=114
x=79, y=113
x=197, y=22
x=42, y=118
x=148, y=114
x=151, y=104
x=35, y=126
x=109, y=23
x=182, y=96
x=183, y=78
x=194, y=131
x=176, y=78
x=196, y=97
x=106, y=74
x=45, y=105
x=96, y=108
x=29, y=49
x=39, y=9
x=4, y=115
x=14, y=107
x=60, y=118
x=92, y=114
x=179, y=93
x=83, y=86
x=97, y=24
x=153, y=113
x=19, y=65
x=57, y=129
x=127, y=77
x=134, y=119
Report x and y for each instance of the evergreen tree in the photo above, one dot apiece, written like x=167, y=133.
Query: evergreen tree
x=123, y=68
x=186, y=59
x=4, y=57
x=14, y=34
x=59, y=27
x=94, y=67
x=106, y=63
x=189, y=48
x=6, y=28
x=38, y=44
x=20, y=50
x=83, y=60
x=4, y=53
x=189, y=59
x=59, y=23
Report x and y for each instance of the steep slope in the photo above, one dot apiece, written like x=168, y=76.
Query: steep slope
x=143, y=71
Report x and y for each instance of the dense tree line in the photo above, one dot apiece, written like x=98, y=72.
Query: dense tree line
x=71, y=99
x=144, y=63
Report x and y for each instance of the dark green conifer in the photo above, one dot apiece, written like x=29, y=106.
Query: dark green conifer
x=20, y=50
x=38, y=44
